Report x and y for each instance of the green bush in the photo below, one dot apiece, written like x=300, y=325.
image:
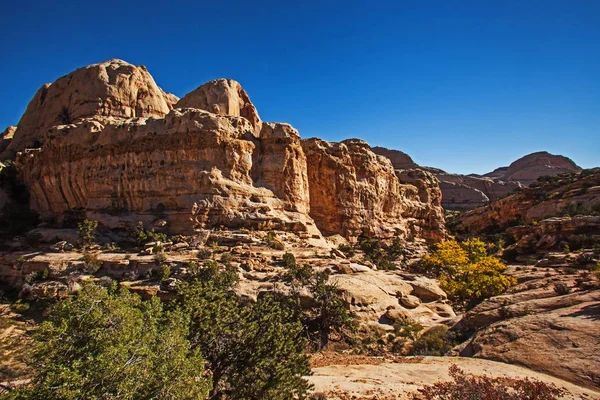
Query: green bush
x=164, y=272
x=143, y=236
x=561, y=288
x=91, y=263
x=86, y=230
x=289, y=260
x=108, y=344
x=20, y=306
x=255, y=350
x=433, y=342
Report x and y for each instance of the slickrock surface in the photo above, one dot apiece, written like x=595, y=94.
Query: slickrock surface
x=375, y=298
x=534, y=326
x=115, y=147
x=360, y=378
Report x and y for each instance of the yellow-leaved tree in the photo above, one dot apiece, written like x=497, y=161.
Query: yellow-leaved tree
x=467, y=273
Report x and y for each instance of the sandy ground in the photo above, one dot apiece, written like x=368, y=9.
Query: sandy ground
x=363, y=378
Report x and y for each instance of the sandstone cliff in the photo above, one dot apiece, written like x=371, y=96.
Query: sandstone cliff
x=106, y=140
x=355, y=193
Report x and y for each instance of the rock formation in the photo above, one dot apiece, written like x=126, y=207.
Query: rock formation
x=6, y=137
x=223, y=97
x=355, y=192
x=112, y=88
x=573, y=194
x=534, y=326
x=106, y=140
x=464, y=192
x=530, y=167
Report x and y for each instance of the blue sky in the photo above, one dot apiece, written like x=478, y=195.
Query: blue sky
x=466, y=86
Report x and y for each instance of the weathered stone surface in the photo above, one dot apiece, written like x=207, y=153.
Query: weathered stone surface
x=399, y=159
x=6, y=137
x=112, y=88
x=410, y=301
x=354, y=192
x=150, y=169
x=536, y=327
x=223, y=97
x=115, y=147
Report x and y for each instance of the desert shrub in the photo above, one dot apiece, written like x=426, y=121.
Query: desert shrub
x=105, y=343
x=346, y=249
x=164, y=272
x=328, y=315
x=254, y=350
x=20, y=306
x=467, y=274
x=473, y=387
x=289, y=260
x=226, y=259
x=407, y=328
x=160, y=257
x=380, y=254
x=86, y=230
x=585, y=259
x=510, y=254
x=143, y=236
x=561, y=288
x=91, y=263
x=581, y=241
x=204, y=253
x=274, y=242
x=433, y=342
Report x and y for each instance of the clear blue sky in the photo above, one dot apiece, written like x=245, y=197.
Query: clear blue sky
x=466, y=86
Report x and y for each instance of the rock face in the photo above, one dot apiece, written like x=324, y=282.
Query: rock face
x=6, y=137
x=355, y=192
x=527, y=169
x=462, y=192
x=114, y=146
x=223, y=97
x=113, y=88
x=535, y=327
x=399, y=159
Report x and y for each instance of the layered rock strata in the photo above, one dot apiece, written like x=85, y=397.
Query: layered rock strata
x=106, y=141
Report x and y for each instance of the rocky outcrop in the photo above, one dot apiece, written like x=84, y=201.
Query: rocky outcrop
x=355, y=192
x=112, y=88
x=463, y=192
x=399, y=159
x=223, y=97
x=6, y=137
x=132, y=155
x=535, y=326
x=150, y=169
x=459, y=192
x=529, y=168
x=574, y=194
